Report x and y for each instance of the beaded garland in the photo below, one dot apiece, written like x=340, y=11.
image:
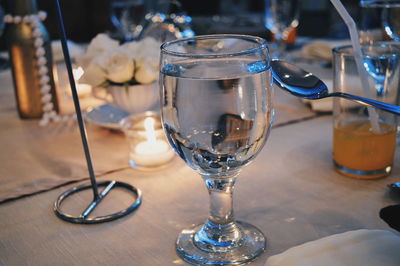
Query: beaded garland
x=33, y=20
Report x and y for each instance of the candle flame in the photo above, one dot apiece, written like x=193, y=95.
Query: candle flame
x=150, y=132
x=78, y=72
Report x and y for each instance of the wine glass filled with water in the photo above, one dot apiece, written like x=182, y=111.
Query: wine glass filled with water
x=281, y=17
x=217, y=113
x=381, y=61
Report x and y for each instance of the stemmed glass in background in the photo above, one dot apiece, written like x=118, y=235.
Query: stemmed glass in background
x=391, y=19
x=381, y=62
x=3, y=61
x=217, y=113
x=281, y=17
x=2, y=23
x=128, y=17
x=389, y=11
x=390, y=15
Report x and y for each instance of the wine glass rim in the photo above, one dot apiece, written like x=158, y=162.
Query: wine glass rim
x=380, y=3
x=263, y=45
x=347, y=50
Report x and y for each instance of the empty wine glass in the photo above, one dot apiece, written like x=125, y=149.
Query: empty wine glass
x=128, y=17
x=216, y=94
x=281, y=17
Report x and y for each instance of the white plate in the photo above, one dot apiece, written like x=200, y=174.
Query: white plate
x=105, y=115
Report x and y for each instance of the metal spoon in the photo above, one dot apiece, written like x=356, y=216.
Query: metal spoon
x=306, y=85
x=394, y=186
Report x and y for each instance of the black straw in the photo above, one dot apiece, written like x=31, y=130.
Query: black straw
x=68, y=64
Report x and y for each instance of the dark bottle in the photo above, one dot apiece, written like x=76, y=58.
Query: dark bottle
x=29, y=65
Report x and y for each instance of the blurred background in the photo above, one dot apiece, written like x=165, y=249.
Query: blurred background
x=85, y=18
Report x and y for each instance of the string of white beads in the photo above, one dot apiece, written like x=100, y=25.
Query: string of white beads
x=33, y=20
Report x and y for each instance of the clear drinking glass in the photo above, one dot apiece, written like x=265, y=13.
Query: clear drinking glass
x=360, y=149
x=216, y=94
x=281, y=16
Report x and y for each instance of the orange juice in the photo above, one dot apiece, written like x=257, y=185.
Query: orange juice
x=366, y=154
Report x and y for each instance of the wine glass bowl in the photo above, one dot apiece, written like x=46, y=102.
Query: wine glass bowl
x=390, y=15
x=381, y=63
x=216, y=106
x=391, y=20
x=281, y=17
x=128, y=17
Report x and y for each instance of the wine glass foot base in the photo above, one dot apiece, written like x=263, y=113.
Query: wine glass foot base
x=253, y=244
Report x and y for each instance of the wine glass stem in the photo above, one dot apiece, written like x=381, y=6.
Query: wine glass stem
x=280, y=48
x=379, y=88
x=219, y=233
x=221, y=201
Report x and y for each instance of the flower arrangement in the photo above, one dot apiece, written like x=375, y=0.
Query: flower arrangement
x=106, y=62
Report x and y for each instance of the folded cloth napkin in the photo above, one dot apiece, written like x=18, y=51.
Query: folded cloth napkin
x=391, y=215
x=321, y=50
x=353, y=248
x=318, y=50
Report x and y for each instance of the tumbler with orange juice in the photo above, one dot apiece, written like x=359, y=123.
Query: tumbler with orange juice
x=364, y=139
x=361, y=152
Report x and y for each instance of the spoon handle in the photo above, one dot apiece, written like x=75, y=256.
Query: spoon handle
x=394, y=109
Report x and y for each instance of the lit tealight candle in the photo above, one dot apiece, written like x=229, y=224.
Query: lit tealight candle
x=148, y=146
x=82, y=88
x=153, y=151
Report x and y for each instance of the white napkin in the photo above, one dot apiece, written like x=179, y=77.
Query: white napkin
x=321, y=50
x=354, y=248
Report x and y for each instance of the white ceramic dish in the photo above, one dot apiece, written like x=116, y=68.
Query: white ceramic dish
x=105, y=115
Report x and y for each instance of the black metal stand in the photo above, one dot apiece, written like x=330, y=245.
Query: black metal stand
x=84, y=217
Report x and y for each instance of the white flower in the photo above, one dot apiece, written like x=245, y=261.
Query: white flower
x=106, y=60
x=93, y=75
x=102, y=43
x=145, y=71
x=149, y=48
x=99, y=45
x=130, y=48
x=119, y=67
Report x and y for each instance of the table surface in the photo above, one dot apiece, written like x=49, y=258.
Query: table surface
x=291, y=192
